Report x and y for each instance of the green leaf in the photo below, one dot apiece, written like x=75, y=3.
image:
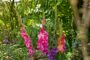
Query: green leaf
x=1, y=23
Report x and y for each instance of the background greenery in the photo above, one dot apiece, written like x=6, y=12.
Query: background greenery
x=59, y=17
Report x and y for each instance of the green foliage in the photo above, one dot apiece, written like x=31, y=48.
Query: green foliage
x=12, y=52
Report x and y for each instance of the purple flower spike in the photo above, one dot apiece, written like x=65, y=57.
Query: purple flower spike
x=52, y=53
x=5, y=41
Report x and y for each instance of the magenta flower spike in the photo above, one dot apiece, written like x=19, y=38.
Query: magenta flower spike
x=27, y=41
x=42, y=43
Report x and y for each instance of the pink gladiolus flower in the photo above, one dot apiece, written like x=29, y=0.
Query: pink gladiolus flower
x=61, y=43
x=27, y=41
x=42, y=43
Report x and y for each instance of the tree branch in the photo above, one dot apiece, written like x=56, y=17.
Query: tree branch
x=19, y=18
x=86, y=13
x=75, y=11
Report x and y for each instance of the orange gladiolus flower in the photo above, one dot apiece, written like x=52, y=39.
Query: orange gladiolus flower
x=61, y=43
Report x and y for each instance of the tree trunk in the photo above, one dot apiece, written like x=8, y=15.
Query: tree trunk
x=82, y=35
